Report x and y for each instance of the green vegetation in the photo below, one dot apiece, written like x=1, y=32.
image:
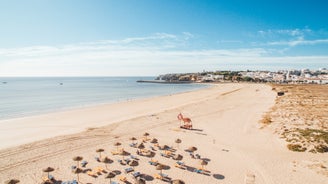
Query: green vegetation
x=296, y=147
x=315, y=135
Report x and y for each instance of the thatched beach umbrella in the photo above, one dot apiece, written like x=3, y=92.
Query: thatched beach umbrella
x=12, y=181
x=146, y=134
x=110, y=176
x=77, y=171
x=154, y=141
x=178, y=182
x=160, y=167
x=124, y=153
x=203, y=163
x=164, y=147
x=177, y=157
x=99, y=151
x=192, y=149
x=77, y=159
x=106, y=160
x=178, y=141
x=133, y=139
x=133, y=163
x=141, y=146
x=117, y=144
x=48, y=170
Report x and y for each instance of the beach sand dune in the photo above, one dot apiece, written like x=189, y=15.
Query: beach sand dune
x=226, y=132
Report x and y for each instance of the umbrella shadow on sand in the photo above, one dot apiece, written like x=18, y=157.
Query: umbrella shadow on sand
x=218, y=176
x=147, y=177
x=117, y=172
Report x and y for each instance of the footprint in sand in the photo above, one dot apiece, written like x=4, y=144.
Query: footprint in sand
x=249, y=178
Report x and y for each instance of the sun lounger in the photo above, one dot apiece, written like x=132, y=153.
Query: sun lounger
x=127, y=160
x=115, y=152
x=97, y=159
x=198, y=170
x=122, y=178
x=122, y=162
x=134, y=157
x=164, y=175
x=133, y=145
x=70, y=182
x=204, y=170
x=136, y=174
x=158, y=176
x=92, y=173
x=153, y=162
x=166, y=154
x=84, y=163
x=129, y=169
x=98, y=170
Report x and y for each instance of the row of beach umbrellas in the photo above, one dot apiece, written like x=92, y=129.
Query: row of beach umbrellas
x=107, y=160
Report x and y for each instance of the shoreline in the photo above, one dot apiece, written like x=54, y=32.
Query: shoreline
x=95, y=105
x=74, y=110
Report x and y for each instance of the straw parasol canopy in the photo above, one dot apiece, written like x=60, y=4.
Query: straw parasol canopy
x=154, y=141
x=164, y=147
x=77, y=159
x=48, y=170
x=110, y=176
x=99, y=151
x=124, y=153
x=178, y=182
x=178, y=157
x=134, y=163
x=12, y=181
x=203, y=162
x=192, y=149
x=133, y=139
x=117, y=144
x=178, y=141
x=106, y=160
x=141, y=146
x=160, y=167
x=146, y=134
x=77, y=171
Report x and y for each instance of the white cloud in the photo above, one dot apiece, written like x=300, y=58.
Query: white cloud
x=299, y=41
x=151, y=55
x=287, y=32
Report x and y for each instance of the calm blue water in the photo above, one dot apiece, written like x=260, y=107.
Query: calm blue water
x=28, y=96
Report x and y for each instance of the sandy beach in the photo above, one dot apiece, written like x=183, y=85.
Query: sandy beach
x=227, y=133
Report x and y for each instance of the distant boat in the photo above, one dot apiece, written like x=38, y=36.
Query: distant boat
x=60, y=83
x=4, y=82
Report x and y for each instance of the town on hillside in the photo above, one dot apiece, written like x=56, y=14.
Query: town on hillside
x=304, y=76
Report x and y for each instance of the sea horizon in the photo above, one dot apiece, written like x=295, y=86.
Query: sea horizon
x=29, y=96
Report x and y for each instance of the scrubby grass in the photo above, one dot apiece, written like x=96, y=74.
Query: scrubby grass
x=296, y=147
x=315, y=134
x=266, y=119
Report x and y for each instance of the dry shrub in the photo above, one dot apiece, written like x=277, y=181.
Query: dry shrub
x=296, y=147
x=266, y=119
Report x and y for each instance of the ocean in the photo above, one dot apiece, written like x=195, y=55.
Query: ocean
x=24, y=96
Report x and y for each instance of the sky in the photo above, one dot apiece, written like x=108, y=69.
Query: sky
x=153, y=37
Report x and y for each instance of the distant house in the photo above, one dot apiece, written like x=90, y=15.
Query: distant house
x=185, y=78
x=208, y=78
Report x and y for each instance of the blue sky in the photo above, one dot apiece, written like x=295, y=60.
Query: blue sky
x=144, y=37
